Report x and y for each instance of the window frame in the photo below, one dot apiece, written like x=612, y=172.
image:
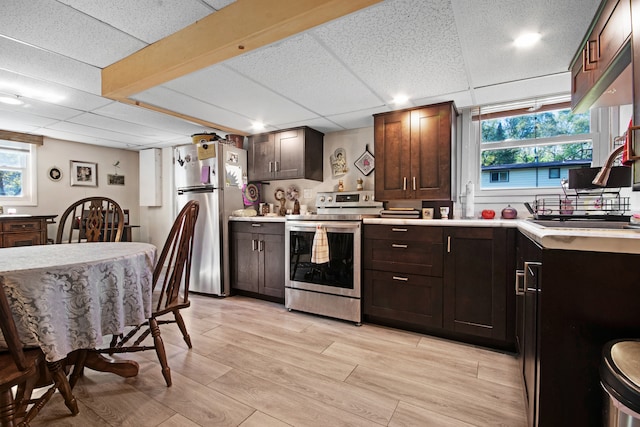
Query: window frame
x=602, y=123
x=30, y=176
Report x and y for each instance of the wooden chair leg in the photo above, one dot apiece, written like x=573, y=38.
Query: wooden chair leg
x=60, y=378
x=183, y=327
x=7, y=408
x=162, y=354
x=78, y=368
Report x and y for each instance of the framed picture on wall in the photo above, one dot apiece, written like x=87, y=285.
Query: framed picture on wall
x=84, y=174
x=115, y=179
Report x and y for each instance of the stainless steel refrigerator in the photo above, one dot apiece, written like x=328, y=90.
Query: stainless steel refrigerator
x=213, y=174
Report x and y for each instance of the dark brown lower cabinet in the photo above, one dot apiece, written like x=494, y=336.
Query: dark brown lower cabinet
x=257, y=259
x=576, y=302
x=454, y=282
x=479, y=297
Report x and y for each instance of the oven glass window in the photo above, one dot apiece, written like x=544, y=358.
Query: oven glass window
x=338, y=272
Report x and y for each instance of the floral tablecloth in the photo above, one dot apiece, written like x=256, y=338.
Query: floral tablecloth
x=66, y=297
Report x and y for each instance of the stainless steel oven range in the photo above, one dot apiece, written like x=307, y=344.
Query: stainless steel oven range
x=328, y=286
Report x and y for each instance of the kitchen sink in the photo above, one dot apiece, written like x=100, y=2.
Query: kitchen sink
x=582, y=223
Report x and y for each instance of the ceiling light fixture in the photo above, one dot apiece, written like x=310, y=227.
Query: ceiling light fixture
x=527, y=39
x=257, y=125
x=400, y=99
x=11, y=100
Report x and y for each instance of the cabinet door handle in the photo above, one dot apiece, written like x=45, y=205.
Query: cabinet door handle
x=531, y=269
x=396, y=245
x=401, y=279
x=261, y=246
x=398, y=229
x=414, y=183
x=277, y=168
x=448, y=244
x=404, y=183
x=254, y=245
x=270, y=166
x=519, y=281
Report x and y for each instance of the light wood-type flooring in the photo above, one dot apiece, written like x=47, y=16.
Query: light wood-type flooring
x=254, y=364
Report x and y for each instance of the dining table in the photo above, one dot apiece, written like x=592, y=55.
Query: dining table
x=69, y=297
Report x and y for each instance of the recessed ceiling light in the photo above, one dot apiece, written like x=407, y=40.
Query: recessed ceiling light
x=11, y=100
x=400, y=99
x=527, y=39
x=257, y=126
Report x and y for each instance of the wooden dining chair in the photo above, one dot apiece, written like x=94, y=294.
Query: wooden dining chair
x=92, y=219
x=171, y=279
x=22, y=370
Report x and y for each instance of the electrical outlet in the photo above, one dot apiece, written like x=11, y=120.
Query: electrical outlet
x=307, y=193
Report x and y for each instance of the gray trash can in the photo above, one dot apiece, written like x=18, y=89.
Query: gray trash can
x=620, y=379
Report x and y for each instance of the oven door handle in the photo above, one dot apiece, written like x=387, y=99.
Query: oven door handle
x=328, y=225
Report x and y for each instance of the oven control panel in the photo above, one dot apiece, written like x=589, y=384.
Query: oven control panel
x=346, y=199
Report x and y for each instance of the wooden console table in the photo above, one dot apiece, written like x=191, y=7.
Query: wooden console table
x=24, y=230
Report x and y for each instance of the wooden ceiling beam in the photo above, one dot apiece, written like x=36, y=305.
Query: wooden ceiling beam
x=241, y=27
x=21, y=137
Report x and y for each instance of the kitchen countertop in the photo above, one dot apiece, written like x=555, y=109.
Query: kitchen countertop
x=565, y=238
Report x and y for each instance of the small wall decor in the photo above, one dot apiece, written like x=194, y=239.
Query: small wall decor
x=366, y=162
x=115, y=179
x=339, y=162
x=84, y=174
x=54, y=174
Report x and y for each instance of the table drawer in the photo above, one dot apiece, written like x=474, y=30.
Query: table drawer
x=20, y=226
x=21, y=239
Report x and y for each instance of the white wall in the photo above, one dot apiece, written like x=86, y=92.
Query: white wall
x=156, y=221
x=55, y=197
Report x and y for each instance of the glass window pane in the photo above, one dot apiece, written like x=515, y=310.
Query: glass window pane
x=10, y=183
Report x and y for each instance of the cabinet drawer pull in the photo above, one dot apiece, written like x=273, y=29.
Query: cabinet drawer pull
x=256, y=225
x=396, y=245
x=401, y=279
x=519, y=280
x=398, y=229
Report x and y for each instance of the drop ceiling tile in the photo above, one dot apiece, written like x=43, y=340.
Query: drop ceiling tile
x=400, y=46
x=199, y=97
x=40, y=64
x=146, y=20
x=88, y=139
x=358, y=119
x=40, y=110
x=460, y=99
x=126, y=127
x=66, y=31
x=487, y=34
x=90, y=131
x=301, y=69
x=22, y=116
x=145, y=117
x=219, y=4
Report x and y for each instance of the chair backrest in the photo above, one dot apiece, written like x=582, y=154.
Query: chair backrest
x=174, y=264
x=10, y=332
x=93, y=219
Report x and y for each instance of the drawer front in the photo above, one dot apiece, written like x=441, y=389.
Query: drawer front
x=258, y=227
x=18, y=226
x=424, y=234
x=22, y=239
x=408, y=298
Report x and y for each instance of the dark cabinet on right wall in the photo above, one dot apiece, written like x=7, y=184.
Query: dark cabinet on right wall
x=413, y=152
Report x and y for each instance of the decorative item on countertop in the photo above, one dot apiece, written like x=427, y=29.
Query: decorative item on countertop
x=444, y=212
x=366, y=162
x=251, y=194
x=469, y=208
x=340, y=185
x=488, y=214
x=280, y=197
x=509, y=213
x=339, y=162
x=359, y=186
x=292, y=195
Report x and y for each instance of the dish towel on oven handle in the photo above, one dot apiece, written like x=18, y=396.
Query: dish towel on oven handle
x=320, y=248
